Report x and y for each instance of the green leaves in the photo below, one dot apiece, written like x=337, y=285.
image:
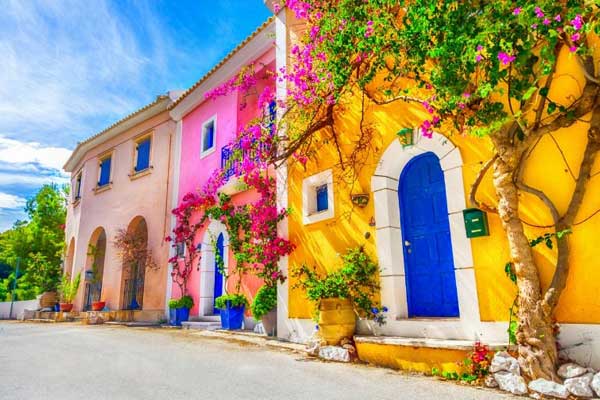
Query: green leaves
x=547, y=238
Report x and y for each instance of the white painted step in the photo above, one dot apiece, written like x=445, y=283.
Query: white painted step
x=201, y=325
x=209, y=318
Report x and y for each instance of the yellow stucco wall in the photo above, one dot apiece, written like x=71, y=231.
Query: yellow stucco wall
x=320, y=243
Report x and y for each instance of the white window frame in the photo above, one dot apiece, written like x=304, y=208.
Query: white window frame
x=310, y=215
x=204, y=153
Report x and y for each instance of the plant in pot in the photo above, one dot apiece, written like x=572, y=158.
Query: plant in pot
x=232, y=307
x=264, y=308
x=179, y=310
x=68, y=290
x=46, y=278
x=342, y=295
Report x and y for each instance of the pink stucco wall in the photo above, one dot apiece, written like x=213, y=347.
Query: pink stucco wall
x=195, y=171
x=125, y=201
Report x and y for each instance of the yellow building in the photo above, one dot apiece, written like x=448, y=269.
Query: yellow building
x=465, y=296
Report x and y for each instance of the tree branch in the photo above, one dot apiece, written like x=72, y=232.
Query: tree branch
x=473, y=192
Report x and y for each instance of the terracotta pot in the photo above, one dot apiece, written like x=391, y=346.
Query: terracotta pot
x=336, y=320
x=269, y=322
x=66, y=307
x=48, y=299
x=98, y=305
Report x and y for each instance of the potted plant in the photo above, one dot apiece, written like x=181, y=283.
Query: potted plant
x=96, y=278
x=232, y=307
x=342, y=295
x=264, y=308
x=68, y=291
x=46, y=278
x=179, y=310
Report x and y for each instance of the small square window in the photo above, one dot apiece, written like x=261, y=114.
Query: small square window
x=142, y=155
x=209, y=132
x=104, y=174
x=317, y=197
x=180, y=250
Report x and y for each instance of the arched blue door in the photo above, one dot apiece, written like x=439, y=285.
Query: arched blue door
x=428, y=263
x=218, y=289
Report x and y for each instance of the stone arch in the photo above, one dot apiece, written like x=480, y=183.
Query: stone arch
x=133, y=275
x=384, y=187
x=207, y=265
x=94, y=267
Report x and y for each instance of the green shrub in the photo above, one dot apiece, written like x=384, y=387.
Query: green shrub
x=68, y=289
x=265, y=301
x=235, y=300
x=184, y=302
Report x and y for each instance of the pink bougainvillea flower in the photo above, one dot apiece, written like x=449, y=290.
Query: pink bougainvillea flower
x=538, y=12
x=546, y=21
x=573, y=49
x=479, y=47
x=557, y=18
x=534, y=26
x=575, y=37
x=466, y=95
x=577, y=22
x=505, y=58
x=461, y=106
x=478, y=57
x=276, y=8
x=517, y=10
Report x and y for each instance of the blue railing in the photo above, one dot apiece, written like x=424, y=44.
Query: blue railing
x=231, y=158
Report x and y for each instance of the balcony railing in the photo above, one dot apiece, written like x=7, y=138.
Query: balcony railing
x=232, y=156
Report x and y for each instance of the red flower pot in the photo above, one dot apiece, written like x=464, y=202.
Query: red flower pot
x=98, y=305
x=66, y=307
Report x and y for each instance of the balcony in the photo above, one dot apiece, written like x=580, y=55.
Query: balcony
x=231, y=164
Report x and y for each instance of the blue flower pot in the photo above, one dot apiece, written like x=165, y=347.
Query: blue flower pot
x=232, y=317
x=178, y=315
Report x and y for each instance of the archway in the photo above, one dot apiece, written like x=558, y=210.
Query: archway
x=391, y=252
x=209, y=276
x=94, y=269
x=135, y=256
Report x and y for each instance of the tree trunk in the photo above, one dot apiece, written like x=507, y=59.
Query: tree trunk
x=535, y=336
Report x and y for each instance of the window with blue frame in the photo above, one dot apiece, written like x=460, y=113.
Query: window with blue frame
x=322, y=198
x=104, y=178
x=77, y=191
x=208, y=136
x=142, y=162
x=272, y=114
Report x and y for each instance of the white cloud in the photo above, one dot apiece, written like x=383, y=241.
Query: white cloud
x=11, y=201
x=28, y=153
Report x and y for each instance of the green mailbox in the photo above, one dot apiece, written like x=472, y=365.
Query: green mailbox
x=476, y=223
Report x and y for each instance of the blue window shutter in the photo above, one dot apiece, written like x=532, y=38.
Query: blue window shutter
x=272, y=114
x=322, y=201
x=78, y=183
x=209, y=135
x=143, y=155
x=104, y=172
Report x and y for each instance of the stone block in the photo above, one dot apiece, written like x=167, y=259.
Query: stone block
x=549, y=388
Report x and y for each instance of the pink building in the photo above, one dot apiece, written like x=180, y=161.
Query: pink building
x=205, y=127
x=121, y=179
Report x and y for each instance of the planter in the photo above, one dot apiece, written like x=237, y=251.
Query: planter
x=269, y=322
x=336, y=320
x=98, y=305
x=232, y=317
x=66, y=307
x=48, y=299
x=178, y=315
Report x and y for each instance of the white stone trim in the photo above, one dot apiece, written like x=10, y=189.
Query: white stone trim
x=310, y=215
x=207, y=266
x=210, y=150
x=384, y=185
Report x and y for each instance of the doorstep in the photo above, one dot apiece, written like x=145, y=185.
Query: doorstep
x=417, y=354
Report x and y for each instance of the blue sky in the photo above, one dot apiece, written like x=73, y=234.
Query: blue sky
x=70, y=68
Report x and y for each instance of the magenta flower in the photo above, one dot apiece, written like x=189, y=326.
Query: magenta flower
x=478, y=58
x=557, y=18
x=517, y=10
x=546, y=21
x=534, y=26
x=538, y=12
x=577, y=22
x=505, y=58
x=573, y=49
x=575, y=37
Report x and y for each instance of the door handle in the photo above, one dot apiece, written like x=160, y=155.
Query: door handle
x=406, y=243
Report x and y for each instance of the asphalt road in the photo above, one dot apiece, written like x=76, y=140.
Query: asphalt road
x=71, y=361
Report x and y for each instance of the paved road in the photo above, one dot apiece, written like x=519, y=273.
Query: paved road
x=68, y=361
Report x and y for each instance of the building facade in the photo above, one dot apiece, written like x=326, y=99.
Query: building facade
x=206, y=128
x=121, y=180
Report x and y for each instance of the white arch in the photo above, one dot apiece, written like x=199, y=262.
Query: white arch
x=207, y=265
x=384, y=185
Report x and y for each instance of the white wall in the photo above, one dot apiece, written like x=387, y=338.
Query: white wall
x=18, y=308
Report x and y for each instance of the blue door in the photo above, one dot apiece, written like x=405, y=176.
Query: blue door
x=428, y=263
x=218, y=290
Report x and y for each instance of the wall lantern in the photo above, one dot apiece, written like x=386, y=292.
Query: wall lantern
x=360, y=200
x=406, y=136
x=89, y=275
x=476, y=223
